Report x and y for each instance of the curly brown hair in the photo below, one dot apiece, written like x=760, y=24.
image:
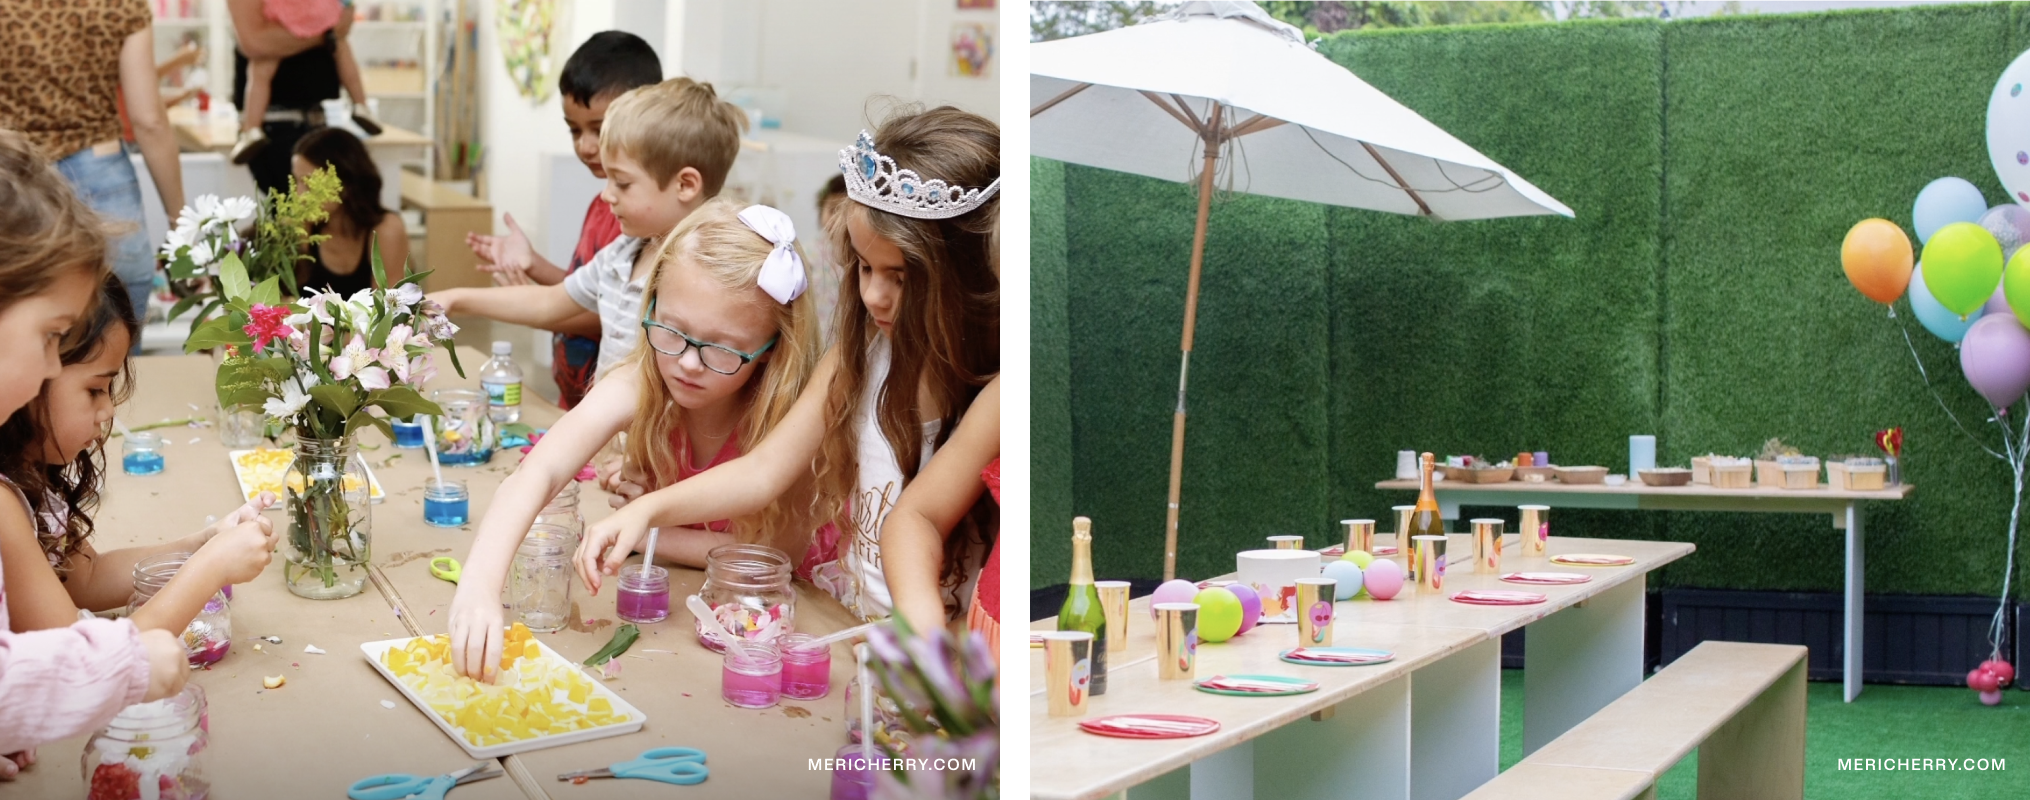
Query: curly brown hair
x=24, y=437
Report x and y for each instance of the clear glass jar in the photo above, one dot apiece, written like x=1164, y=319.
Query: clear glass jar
x=889, y=728
x=209, y=636
x=539, y=584
x=465, y=437
x=408, y=433
x=643, y=596
x=446, y=504
x=806, y=670
x=853, y=778
x=330, y=520
x=563, y=510
x=152, y=750
x=242, y=426
x=747, y=586
x=141, y=454
x=751, y=679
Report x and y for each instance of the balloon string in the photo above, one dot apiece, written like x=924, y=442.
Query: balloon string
x=1926, y=375
x=2021, y=448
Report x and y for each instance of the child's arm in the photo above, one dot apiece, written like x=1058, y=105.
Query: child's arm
x=59, y=683
x=102, y=581
x=736, y=488
x=36, y=599
x=512, y=253
x=546, y=307
x=141, y=91
x=475, y=620
x=913, y=536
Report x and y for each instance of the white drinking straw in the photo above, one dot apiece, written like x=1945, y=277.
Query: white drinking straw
x=430, y=444
x=866, y=705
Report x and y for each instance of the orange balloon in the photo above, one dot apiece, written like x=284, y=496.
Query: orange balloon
x=1877, y=258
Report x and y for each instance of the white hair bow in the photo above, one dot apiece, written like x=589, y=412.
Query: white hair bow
x=782, y=277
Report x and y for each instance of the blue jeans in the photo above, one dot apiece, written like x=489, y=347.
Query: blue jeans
x=108, y=184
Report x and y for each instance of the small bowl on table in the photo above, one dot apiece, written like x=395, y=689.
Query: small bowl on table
x=1579, y=475
x=1668, y=476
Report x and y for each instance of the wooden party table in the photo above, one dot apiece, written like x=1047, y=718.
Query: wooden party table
x=327, y=728
x=1842, y=505
x=1426, y=725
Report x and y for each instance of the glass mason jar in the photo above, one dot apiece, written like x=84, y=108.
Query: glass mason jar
x=806, y=670
x=330, y=521
x=642, y=595
x=152, y=750
x=563, y=511
x=889, y=728
x=141, y=453
x=242, y=426
x=539, y=583
x=747, y=586
x=752, y=679
x=465, y=437
x=209, y=636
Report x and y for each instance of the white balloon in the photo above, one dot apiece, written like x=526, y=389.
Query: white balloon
x=2009, y=129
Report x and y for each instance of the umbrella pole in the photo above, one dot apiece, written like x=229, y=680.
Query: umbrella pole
x=1210, y=135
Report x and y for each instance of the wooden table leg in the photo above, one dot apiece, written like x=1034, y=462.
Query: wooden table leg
x=1580, y=659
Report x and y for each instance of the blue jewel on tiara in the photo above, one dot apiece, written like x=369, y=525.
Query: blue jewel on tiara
x=874, y=180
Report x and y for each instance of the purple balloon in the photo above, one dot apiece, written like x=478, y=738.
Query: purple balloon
x=1999, y=304
x=1995, y=356
x=1251, y=605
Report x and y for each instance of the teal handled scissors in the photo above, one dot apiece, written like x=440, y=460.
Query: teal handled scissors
x=682, y=766
x=396, y=787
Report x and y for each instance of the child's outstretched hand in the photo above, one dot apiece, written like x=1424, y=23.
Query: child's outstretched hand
x=623, y=481
x=476, y=637
x=168, y=664
x=250, y=511
x=608, y=543
x=239, y=553
x=12, y=764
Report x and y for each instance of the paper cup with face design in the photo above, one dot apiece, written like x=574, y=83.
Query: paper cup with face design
x=1068, y=666
x=1430, y=555
x=1535, y=530
x=1314, y=611
x=1176, y=641
x=1487, y=546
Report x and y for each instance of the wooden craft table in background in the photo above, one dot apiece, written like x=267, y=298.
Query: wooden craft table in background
x=1426, y=725
x=1843, y=506
x=326, y=727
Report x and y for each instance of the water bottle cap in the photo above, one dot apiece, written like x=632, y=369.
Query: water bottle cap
x=503, y=348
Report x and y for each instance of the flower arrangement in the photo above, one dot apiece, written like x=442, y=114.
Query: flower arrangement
x=209, y=229
x=948, y=688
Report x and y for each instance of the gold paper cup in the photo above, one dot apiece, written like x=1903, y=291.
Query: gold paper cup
x=1359, y=535
x=1430, y=560
x=1176, y=641
x=1286, y=542
x=1068, y=661
x=1314, y=611
x=1487, y=546
x=1114, y=603
x=1402, y=524
x=1534, y=530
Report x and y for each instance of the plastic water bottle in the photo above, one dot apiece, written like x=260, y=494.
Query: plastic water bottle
x=503, y=383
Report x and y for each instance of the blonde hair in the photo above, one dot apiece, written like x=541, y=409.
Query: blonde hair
x=672, y=125
x=714, y=239
x=947, y=332
x=46, y=232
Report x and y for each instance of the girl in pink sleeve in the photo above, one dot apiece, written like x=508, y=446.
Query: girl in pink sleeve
x=62, y=682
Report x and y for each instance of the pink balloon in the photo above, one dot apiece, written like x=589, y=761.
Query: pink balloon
x=1384, y=578
x=1997, y=305
x=1251, y=605
x=1995, y=356
x=1177, y=590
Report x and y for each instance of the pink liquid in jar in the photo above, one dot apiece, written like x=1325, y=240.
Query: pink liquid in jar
x=806, y=671
x=753, y=679
x=853, y=774
x=644, y=595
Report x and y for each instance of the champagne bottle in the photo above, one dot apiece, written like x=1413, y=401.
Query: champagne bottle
x=1424, y=519
x=1082, y=610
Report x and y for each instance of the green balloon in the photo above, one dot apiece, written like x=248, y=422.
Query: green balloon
x=1219, y=614
x=1962, y=267
x=2016, y=284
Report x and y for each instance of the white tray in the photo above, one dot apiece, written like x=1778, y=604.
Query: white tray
x=375, y=493
x=636, y=718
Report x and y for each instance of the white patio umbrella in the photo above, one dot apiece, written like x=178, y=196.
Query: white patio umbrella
x=1216, y=80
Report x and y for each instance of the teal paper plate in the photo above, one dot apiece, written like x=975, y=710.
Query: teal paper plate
x=1383, y=656
x=1297, y=686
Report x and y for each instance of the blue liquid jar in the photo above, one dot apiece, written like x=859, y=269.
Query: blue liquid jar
x=408, y=434
x=142, y=454
x=446, y=504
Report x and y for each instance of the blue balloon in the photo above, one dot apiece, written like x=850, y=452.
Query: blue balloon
x=1944, y=202
x=1349, y=577
x=1942, y=323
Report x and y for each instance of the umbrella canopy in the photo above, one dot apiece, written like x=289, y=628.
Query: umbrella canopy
x=1216, y=80
x=1135, y=100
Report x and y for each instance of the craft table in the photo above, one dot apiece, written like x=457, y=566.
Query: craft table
x=1843, y=506
x=1424, y=726
x=326, y=727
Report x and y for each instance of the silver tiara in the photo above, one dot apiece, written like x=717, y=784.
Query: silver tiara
x=872, y=179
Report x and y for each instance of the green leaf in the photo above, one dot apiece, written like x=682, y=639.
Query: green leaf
x=386, y=429
x=216, y=332
x=269, y=293
x=414, y=277
x=182, y=268
x=185, y=304
x=521, y=429
x=233, y=277
x=358, y=420
x=240, y=382
x=338, y=398
x=378, y=338
x=623, y=638
x=402, y=402
x=452, y=347
x=316, y=361
x=380, y=275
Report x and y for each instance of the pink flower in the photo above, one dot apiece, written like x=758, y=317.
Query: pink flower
x=266, y=324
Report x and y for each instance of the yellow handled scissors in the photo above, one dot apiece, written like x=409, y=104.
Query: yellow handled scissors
x=446, y=568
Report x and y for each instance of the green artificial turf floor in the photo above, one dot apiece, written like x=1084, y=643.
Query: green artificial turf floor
x=1901, y=722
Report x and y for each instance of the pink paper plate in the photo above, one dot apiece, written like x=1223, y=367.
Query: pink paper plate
x=1486, y=597
x=1150, y=726
x=1592, y=560
x=1546, y=578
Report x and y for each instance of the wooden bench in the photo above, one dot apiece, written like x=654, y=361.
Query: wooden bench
x=1740, y=705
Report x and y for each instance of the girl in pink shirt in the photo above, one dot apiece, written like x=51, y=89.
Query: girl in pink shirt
x=62, y=682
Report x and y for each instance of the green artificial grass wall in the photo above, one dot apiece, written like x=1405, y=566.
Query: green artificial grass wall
x=1050, y=487
x=1714, y=166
